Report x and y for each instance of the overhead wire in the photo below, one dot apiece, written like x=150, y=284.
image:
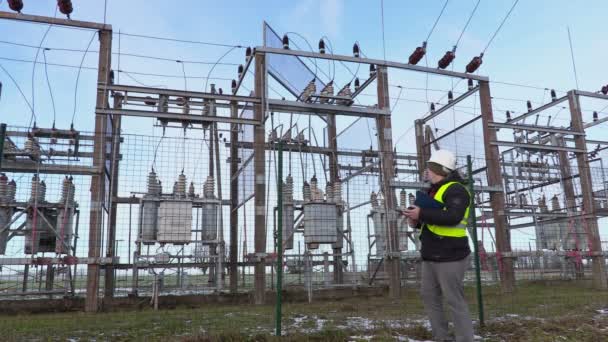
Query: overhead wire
x=33, y=116
x=48, y=82
x=179, y=40
x=436, y=21
x=213, y=67
x=500, y=26
x=467, y=24
x=78, y=77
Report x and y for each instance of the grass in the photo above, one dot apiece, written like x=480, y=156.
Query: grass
x=538, y=311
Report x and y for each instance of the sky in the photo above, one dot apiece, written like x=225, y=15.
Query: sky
x=532, y=48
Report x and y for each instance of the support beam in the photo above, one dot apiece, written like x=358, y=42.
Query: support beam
x=259, y=167
x=450, y=105
x=385, y=147
x=503, y=238
x=98, y=181
x=590, y=223
x=57, y=169
x=334, y=172
x=111, y=245
x=539, y=109
x=377, y=62
x=234, y=201
x=534, y=128
x=180, y=93
x=535, y=146
x=179, y=117
x=54, y=21
x=319, y=108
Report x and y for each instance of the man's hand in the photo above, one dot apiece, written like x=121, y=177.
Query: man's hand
x=412, y=213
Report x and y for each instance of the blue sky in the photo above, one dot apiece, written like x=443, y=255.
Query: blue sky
x=531, y=49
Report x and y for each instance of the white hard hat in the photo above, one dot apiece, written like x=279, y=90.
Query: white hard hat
x=444, y=158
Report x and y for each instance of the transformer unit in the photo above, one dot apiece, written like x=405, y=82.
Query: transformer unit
x=322, y=213
x=167, y=218
x=7, y=208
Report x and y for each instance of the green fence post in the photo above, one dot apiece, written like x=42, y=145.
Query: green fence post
x=473, y=220
x=279, y=240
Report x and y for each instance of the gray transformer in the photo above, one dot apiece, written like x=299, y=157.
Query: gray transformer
x=40, y=237
x=149, y=219
x=320, y=223
x=6, y=214
x=65, y=229
x=288, y=226
x=209, y=223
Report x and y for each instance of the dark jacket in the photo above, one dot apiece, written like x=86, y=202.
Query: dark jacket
x=443, y=248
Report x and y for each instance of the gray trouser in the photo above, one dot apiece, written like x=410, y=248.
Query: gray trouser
x=444, y=280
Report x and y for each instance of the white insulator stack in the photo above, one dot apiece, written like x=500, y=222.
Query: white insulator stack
x=329, y=193
x=67, y=191
x=345, y=92
x=402, y=199
x=174, y=188
x=209, y=187
x=32, y=147
x=307, y=193
x=373, y=198
x=11, y=191
x=38, y=190
x=288, y=190
x=181, y=186
x=555, y=204
x=154, y=187
x=542, y=204
x=380, y=199
x=328, y=90
x=338, y=192
x=191, y=192
x=3, y=188
x=310, y=90
x=411, y=199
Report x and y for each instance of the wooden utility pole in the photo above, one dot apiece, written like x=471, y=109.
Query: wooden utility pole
x=589, y=216
x=497, y=199
x=234, y=199
x=385, y=147
x=259, y=167
x=98, y=181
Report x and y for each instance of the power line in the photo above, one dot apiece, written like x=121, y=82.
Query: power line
x=383, y=40
x=18, y=87
x=500, y=26
x=468, y=21
x=572, y=55
x=78, y=76
x=48, y=82
x=117, y=53
x=178, y=40
x=437, y=20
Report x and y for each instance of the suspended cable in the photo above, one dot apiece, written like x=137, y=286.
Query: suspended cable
x=78, y=77
x=383, y=40
x=179, y=40
x=213, y=67
x=437, y=20
x=46, y=72
x=18, y=87
x=500, y=26
x=140, y=83
x=467, y=24
x=33, y=116
x=572, y=55
x=184, y=72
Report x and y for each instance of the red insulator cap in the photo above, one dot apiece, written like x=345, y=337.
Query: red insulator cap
x=446, y=60
x=474, y=64
x=417, y=55
x=65, y=7
x=15, y=5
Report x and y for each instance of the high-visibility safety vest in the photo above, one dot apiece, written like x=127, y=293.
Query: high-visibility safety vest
x=459, y=230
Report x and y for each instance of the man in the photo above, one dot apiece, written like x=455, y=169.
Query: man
x=444, y=247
